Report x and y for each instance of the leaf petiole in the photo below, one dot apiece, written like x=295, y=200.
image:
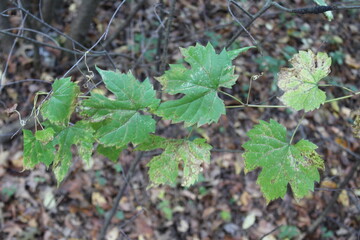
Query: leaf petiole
x=341, y=98
x=257, y=106
x=332, y=85
x=297, y=127
x=233, y=97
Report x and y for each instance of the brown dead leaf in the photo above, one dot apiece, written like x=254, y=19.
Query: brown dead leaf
x=351, y=62
x=342, y=142
x=328, y=184
x=208, y=212
x=245, y=198
x=11, y=109
x=143, y=226
x=17, y=160
x=344, y=198
x=98, y=200
x=113, y=234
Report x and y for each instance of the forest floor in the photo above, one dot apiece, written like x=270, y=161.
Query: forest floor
x=226, y=203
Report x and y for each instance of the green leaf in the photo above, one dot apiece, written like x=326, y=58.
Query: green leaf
x=300, y=83
x=209, y=71
x=81, y=134
x=328, y=14
x=45, y=135
x=112, y=153
x=59, y=107
x=281, y=162
x=163, y=169
x=36, y=151
x=120, y=120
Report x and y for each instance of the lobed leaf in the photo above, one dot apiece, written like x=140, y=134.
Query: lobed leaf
x=37, y=151
x=209, y=71
x=51, y=146
x=120, y=120
x=164, y=169
x=81, y=134
x=281, y=162
x=61, y=104
x=300, y=83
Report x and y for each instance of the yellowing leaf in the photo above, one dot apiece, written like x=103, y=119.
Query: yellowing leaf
x=300, y=83
x=163, y=169
x=281, y=162
x=59, y=107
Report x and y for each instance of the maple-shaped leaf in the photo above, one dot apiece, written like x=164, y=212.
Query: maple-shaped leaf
x=80, y=134
x=164, y=169
x=120, y=120
x=59, y=107
x=208, y=72
x=281, y=162
x=300, y=83
x=38, y=148
x=53, y=146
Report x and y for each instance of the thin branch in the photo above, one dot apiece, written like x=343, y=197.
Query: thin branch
x=257, y=15
x=242, y=9
x=304, y=10
x=120, y=194
x=159, y=48
x=124, y=24
x=3, y=74
x=332, y=201
x=314, y=9
x=239, y=22
x=297, y=127
x=266, y=234
x=94, y=54
x=163, y=59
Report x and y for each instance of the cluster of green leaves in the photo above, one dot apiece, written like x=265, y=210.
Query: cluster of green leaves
x=126, y=117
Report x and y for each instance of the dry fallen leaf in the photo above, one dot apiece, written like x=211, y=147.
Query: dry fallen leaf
x=113, y=234
x=328, y=184
x=249, y=220
x=351, y=62
x=97, y=199
x=344, y=198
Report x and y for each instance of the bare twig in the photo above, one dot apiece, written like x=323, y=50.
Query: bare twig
x=124, y=24
x=266, y=234
x=120, y=194
x=159, y=48
x=163, y=59
x=239, y=22
x=343, y=184
x=304, y=10
x=91, y=54
x=257, y=15
x=11, y=51
x=314, y=9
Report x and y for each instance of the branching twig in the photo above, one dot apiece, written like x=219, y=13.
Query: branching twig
x=120, y=194
x=343, y=184
x=166, y=37
x=126, y=22
x=304, y=10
